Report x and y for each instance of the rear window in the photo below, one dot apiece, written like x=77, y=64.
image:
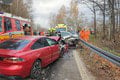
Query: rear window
x=0, y=24
x=14, y=44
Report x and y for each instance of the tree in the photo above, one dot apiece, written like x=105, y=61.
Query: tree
x=53, y=22
x=73, y=18
x=61, y=15
x=18, y=8
x=93, y=9
x=108, y=8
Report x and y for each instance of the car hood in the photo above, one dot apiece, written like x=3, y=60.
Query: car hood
x=69, y=37
x=75, y=35
x=65, y=37
x=5, y=52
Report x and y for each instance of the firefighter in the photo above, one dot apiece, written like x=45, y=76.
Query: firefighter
x=52, y=31
x=82, y=33
x=26, y=29
x=86, y=34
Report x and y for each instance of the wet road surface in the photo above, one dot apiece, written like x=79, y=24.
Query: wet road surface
x=65, y=68
x=62, y=69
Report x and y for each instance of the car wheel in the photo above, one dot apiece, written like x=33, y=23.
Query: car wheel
x=36, y=70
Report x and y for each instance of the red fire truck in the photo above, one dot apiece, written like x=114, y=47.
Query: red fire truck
x=12, y=26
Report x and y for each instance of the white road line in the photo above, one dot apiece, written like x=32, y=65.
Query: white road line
x=82, y=69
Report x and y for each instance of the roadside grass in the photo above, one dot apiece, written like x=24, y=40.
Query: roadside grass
x=100, y=67
x=92, y=38
x=96, y=42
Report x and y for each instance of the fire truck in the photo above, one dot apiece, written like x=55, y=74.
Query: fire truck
x=12, y=26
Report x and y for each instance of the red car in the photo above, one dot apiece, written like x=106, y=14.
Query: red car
x=22, y=57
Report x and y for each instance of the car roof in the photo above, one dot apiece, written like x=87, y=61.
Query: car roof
x=30, y=37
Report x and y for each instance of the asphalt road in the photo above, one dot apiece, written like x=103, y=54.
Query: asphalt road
x=62, y=69
x=65, y=68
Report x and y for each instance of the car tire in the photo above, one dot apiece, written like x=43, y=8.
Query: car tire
x=36, y=70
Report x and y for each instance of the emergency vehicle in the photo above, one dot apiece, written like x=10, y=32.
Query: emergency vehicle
x=61, y=27
x=12, y=26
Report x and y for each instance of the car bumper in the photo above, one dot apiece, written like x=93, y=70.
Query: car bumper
x=12, y=71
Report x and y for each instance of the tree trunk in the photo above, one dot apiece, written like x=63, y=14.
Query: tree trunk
x=95, y=32
x=113, y=21
x=119, y=15
x=104, y=27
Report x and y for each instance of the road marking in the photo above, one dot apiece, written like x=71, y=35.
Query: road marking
x=85, y=75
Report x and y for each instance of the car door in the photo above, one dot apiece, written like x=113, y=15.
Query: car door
x=54, y=48
x=43, y=51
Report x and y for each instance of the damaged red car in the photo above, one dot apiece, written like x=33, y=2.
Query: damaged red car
x=22, y=57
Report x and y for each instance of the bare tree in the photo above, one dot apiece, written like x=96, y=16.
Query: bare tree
x=73, y=18
x=61, y=15
x=93, y=9
x=18, y=8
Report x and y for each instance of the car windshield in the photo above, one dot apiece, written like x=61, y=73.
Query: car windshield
x=61, y=29
x=63, y=34
x=0, y=24
x=72, y=32
x=14, y=44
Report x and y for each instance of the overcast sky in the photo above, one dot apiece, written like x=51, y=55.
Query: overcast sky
x=42, y=9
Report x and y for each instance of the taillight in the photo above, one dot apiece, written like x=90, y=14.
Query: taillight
x=13, y=59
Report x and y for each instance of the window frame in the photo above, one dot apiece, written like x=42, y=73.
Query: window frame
x=7, y=28
x=1, y=24
x=18, y=25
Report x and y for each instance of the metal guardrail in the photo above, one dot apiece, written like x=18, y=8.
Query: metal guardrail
x=107, y=55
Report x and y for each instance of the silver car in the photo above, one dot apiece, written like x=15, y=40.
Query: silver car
x=70, y=38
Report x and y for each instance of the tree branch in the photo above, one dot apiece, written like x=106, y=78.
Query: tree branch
x=97, y=5
x=89, y=7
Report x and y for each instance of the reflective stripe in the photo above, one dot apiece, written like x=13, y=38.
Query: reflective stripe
x=13, y=35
